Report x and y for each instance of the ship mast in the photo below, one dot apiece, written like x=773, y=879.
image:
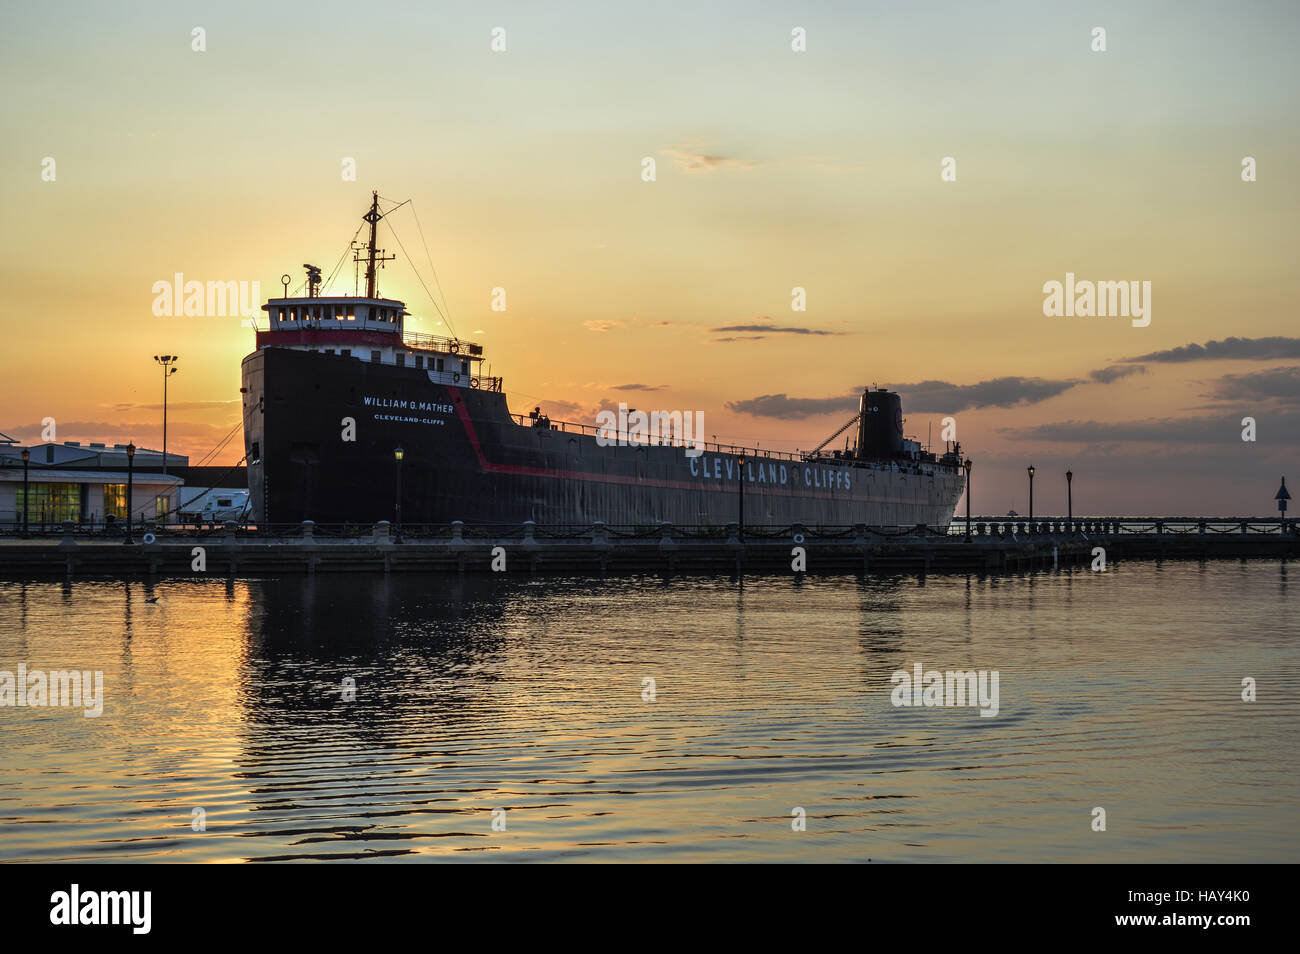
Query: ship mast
x=372, y=256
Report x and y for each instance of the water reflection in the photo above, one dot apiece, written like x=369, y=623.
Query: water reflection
x=480, y=693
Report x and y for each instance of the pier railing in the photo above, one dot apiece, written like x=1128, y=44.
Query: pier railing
x=663, y=547
x=1048, y=528
x=1119, y=526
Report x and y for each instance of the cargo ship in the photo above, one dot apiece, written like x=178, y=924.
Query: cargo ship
x=351, y=419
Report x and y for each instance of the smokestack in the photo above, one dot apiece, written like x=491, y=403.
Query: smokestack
x=880, y=425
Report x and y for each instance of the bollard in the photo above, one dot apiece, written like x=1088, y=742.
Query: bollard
x=68, y=543
x=228, y=538
x=308, y=530
x=379, y=536
x=530, y=537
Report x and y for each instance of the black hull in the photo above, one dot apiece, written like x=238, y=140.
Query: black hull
x=466, y=459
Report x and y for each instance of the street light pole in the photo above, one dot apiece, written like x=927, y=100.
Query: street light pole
x=1031, y=492
x=742, y=498
x=166, y=360
x=27, y=500
x=130, y=487
x=398, y=454
x=1069, y=495
x=967, y=465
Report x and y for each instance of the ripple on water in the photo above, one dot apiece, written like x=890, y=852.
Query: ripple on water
x=1120, y=690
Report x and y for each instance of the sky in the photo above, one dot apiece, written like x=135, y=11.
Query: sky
x=775, y=169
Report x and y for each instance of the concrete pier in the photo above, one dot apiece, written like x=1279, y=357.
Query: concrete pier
x=992, y=547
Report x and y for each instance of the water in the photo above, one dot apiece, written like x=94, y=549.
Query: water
x=1119, y=690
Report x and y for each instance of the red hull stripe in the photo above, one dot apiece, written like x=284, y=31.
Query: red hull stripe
x=327, y=337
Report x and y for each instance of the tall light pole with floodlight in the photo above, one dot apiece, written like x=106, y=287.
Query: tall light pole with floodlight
x=166, y=360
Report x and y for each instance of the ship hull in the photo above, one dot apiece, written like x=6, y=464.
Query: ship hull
x=321, y=431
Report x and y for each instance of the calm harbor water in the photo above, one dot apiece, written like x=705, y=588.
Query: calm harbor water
x=1119, y=690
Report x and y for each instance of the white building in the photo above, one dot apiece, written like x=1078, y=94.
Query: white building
x=85, y=484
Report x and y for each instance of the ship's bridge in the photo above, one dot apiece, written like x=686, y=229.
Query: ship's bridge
x=370, y=329
x=338, y=314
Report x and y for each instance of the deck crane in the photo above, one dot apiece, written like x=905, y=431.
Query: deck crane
x=847, y=424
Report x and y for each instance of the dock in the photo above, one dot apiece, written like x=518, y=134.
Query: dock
x=994, y=545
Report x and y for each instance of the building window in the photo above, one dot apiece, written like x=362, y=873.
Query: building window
x=162, y=503
x=346, y=352
x=419, y=361
x=374, y=356
x=50, y=503
x=401, y=359
x=115, y=501
x=464, y=367
x=440, y=364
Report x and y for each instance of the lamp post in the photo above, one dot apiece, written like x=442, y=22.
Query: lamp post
x=1282, y=496
x=742, y=498
x=27, y=500
x=967, y=466
x=130, y=487
x=398, y=454
x=1031, y=493
x=1069, y=495
x=166, y=360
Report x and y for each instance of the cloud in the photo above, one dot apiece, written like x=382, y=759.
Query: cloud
x=929, y=396
x=1158, y=432
x=1254, y=349
x=184, y=437
x=932, y=396
x=604, y=324
x=179, y=406
x=1115, y=372
x=563, y=410
x=787, y=408
x=1278, y=386
x=690, y=159
x=636, y=387
x=774, y=330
